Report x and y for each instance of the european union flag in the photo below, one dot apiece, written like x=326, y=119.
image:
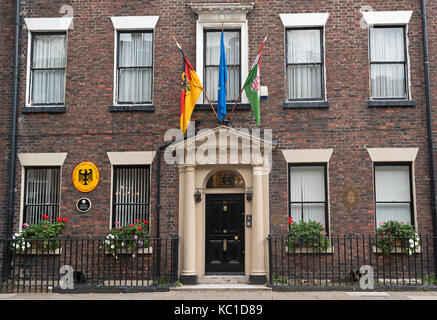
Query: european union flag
x=223, y=79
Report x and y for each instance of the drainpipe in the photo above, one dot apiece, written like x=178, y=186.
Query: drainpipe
x=158, y=211
x=429, y=128
x=13, y=143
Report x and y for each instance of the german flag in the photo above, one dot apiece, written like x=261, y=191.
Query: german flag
x=190, y=91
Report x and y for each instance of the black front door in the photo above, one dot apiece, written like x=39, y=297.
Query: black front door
x=224, y=233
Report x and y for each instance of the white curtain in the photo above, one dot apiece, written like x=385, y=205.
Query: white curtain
x=49, y=52
x=304, y=81
x=393, y=194
x=131, y=194
x=135, y=63
x=212, y=61
x=307, y=184
x=387, y=45
x=42, y=194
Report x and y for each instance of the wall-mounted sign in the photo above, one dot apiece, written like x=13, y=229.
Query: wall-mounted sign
x=85, y=177
x=83, y=205
x=351, y=196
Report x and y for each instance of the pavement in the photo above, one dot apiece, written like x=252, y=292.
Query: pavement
x=229, y=292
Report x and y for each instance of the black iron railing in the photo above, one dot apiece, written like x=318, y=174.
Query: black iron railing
x=351, y=262
x=63, y=265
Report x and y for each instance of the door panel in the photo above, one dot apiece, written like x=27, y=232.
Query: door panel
x=224, y=233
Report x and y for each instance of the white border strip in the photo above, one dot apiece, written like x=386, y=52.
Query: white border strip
x=131, y=158
x=135, y=22
x=41, y=159
x=393, y=154
x=387, y=17
x=48, y=24
x=308, y=155
x=304, y=19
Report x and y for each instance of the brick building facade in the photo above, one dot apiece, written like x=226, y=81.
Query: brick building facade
x=345, y=130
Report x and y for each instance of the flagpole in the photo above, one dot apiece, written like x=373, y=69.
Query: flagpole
x=210, y=103
x=241, y=91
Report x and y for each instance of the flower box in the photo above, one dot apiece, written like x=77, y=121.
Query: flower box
x=396, y=250
x=124, y=251
x=47, y=252
x=309, y=249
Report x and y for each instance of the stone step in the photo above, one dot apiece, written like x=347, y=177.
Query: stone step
x=223, y=279
x=222, y=287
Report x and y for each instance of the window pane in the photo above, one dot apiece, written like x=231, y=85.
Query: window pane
x=314, y=212
x=135, y=50
x=387, y=44
x=397, y=212
x=48, y=86
x=232, y=47
x=304, y=46
x=388, y=80
x=49, y=51
x=42, y=194
x=307, y=184
x=304, y=82
x=392, y=183
x=135, y=85
x=212, y=60
x=131, y=194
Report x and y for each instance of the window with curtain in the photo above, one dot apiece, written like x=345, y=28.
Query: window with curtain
x=307, y=193
x=49, y=60
x=131, y=194
x=305, y=64
x=135, y=67
x=388, y=63
x=212, y=63
x=41, y=194
x=393, y=193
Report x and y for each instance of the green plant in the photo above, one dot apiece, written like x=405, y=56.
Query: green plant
x=40, y=236
x=307, y=234
x=130, y=237
x=394, y=234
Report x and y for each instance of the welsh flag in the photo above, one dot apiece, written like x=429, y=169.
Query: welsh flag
x=252, y=86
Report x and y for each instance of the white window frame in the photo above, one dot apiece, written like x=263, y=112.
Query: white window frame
x=390, y=19
x=396, y=155
x=39, y=160
x=305, y=21
x=310, y=156
x=41, y=25
x=132, y=23
x=129, y=158
x=229, y=16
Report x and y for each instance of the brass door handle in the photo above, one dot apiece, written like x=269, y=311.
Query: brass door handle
x=225, y=245
x=236, y=238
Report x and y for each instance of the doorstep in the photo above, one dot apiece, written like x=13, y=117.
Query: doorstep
x=250, y=287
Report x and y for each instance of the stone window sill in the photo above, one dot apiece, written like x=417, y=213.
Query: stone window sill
x=392, y=103
x=44, y=109
x=123, y=108
x=305, y=104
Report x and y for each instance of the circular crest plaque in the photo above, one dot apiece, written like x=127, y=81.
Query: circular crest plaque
x=85, y=177
x=83, y=205
x=351, y=196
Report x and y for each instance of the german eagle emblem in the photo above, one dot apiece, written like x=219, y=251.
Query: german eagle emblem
x=85, y=176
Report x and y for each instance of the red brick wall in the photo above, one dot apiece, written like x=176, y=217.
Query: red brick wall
x=6, y=73
x=88, y=129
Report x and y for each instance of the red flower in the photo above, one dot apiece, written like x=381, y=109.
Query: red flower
x=119, y=228
x=139, y=228
x=59, y=219
x=145, y=222
x=290, y=220
x=131, y=224
x=46, y=226
x=136, y=220
x=116, y=222
x=65, y=219
x=45, y=217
